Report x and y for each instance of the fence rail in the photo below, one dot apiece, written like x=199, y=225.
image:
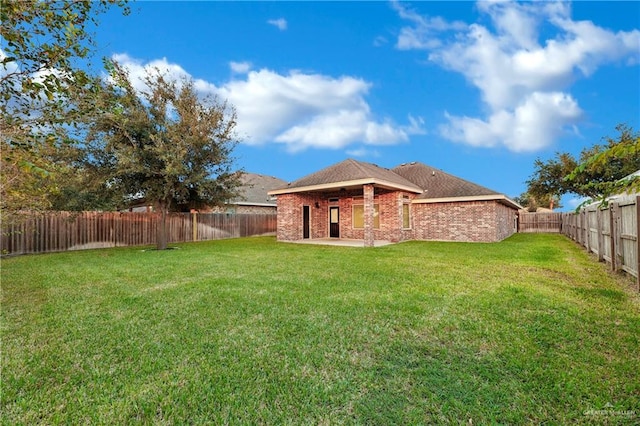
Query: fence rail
x=611, y=233
x=62, y=231
x=539, y=222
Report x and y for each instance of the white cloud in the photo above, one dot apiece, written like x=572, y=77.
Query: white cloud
x=8, y=68
x=380, y=41
x=240, y=67
x=424, y=32
x=138, y=70
x=363, y=152
x=531, y=126
x=298, y=110
x=519, y=78
x=280, y=23
x=309, y=110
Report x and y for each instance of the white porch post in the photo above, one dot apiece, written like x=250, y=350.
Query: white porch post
x=368, y=215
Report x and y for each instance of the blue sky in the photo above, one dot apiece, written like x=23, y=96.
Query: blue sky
x=479, y=90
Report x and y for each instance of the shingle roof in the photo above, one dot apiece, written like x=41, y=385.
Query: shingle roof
x=430, y=183
x=438, y=184
x=349, y=171
x=255, y=188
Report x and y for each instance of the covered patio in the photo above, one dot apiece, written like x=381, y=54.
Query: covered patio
x=351, y=203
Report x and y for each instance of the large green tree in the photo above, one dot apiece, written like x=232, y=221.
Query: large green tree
x=598, y=172
x=609, y=169
x=43, y=56
x=164, y=143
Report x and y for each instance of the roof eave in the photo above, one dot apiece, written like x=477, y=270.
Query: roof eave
x=345, y=184
x=501, y=198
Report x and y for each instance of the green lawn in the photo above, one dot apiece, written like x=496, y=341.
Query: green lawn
x=250, y=331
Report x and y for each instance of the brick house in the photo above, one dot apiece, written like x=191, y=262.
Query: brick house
x=362, y=201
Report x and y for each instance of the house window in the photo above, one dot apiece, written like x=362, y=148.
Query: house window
x=358, y=216
x=406, y=216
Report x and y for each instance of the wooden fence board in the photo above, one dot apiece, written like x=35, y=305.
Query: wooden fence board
x=61, y=231
x=539, y=222
x=611, y=233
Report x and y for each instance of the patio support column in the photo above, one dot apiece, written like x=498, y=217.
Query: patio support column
x=368, y=215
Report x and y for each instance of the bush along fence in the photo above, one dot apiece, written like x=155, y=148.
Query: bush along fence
x=611, y=233
x=62, y=231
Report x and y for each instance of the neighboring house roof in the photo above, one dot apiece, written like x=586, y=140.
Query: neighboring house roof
x=346, y=174
x=255, y=188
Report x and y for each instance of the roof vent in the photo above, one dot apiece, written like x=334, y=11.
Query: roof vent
x=433, y=172
x=413, y=162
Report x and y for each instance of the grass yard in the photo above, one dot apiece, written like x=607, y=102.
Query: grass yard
x=250, y=331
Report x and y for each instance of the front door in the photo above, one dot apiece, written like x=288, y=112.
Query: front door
x=334, y=222
x=305, y=222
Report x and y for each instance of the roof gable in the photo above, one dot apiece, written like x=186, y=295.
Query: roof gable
x=352, y=172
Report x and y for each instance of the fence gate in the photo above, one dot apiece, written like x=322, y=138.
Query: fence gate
x=539, y=222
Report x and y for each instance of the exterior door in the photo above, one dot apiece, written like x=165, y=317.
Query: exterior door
x=305, y=222
x=334, y=222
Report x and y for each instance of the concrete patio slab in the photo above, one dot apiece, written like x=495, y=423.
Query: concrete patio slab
x=343, y=242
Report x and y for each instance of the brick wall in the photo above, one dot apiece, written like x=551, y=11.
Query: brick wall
x=505, y=222
x=476, y=221
x=473, y=221
x=290, y=215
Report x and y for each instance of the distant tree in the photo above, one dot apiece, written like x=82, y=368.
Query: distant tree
x=598, y=173
x=43, y=46
x=164, y=143
x=532, y=203
x=548, y=180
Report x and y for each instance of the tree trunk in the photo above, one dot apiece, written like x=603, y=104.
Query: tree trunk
x=161, y=238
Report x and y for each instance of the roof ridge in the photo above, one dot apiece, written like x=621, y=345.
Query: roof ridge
x=359, y=164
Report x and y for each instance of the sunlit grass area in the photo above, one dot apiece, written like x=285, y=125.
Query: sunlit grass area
x=251, y=331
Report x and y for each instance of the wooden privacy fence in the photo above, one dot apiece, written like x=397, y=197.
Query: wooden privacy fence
x=611, y=233
x=61, y=231
x=539, y=222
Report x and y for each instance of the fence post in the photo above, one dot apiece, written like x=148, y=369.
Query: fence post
x=194, y=225
x=638, y=242
x=581, y=232
x=614, y=235
x=599, y=226
x=587, y=227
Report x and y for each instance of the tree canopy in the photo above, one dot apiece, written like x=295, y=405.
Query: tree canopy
x=44, y=44
x=164, y=143
x=600, y=171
